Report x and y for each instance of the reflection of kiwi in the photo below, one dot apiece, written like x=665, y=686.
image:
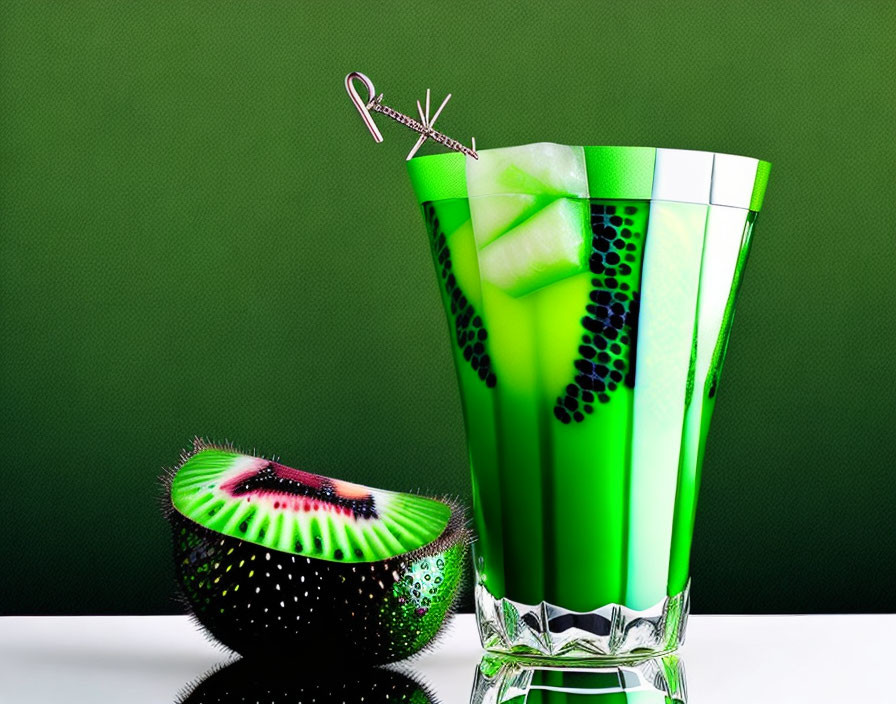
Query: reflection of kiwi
x=608, y=345
x=249, y=682
x=275, y=561
x=469, y=331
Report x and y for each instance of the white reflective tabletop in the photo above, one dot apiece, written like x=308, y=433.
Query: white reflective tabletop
x=731, y=659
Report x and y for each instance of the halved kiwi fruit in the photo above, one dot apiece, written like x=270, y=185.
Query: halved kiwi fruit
x=279, y=562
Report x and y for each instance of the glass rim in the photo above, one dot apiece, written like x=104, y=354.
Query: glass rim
x=623, y=173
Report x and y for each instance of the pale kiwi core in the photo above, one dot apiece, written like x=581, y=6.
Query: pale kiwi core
x=275, y=506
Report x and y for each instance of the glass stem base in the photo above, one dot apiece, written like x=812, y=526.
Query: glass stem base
x=611, y=632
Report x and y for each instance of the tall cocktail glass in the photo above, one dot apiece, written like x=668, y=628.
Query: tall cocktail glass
x=589, y=293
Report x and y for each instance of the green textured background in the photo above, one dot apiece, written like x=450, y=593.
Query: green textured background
x=197, y=235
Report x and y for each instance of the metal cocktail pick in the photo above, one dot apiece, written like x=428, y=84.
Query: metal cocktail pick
x=424, y=126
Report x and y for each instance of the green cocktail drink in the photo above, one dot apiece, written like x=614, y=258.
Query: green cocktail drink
x=589, y=293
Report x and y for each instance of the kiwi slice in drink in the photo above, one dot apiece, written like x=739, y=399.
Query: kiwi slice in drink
x=278, y=562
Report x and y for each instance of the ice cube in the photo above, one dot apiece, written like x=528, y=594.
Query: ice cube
x=535, y=169
x=549, y=246
x=494, y=215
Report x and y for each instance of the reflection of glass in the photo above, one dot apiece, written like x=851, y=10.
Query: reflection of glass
x=657, y=681
x=281, y=683
x=589, y=293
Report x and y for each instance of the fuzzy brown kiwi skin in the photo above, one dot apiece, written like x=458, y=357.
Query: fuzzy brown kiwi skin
x=267, y=603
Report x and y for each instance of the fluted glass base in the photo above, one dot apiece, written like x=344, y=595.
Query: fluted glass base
x=659, y=680
x=612, y=632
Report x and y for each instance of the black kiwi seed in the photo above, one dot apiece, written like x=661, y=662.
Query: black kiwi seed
x=610, y=325
x=468, y=325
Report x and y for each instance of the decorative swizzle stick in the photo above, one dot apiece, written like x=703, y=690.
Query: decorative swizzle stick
x=424, y=126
